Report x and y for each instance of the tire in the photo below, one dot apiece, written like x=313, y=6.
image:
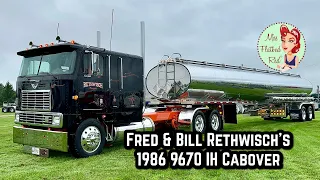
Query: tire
x=303, y=114
x=4, y=110
x=309, y=113
x=80, y=147
x=214, y=122
x=199, y=122
x=11, y=110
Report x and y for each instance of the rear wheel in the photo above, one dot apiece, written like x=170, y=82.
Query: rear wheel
x=11, y=110
x=199, y=122
x=89, y=139
x=214, y=122
x=310, y=113
x=303, y=114
x=4, y=110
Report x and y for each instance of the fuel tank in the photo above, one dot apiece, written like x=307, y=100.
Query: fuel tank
x=194, y=78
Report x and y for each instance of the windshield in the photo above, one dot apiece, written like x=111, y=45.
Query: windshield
x=58, y=63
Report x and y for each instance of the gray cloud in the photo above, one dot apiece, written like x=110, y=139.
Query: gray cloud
x=221, y=31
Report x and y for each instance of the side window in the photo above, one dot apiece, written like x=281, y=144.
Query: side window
x=98, y=65
x=92, y=64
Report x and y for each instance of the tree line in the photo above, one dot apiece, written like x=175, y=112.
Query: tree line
x=7, y=93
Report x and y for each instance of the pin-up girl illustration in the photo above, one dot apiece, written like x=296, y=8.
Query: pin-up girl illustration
x=290, y=45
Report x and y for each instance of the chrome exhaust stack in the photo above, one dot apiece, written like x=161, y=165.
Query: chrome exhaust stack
x=146, y=125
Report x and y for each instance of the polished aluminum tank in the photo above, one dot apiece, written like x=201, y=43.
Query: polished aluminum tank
x=236, y=82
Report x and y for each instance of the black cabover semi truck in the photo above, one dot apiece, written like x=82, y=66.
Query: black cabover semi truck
x=77, y=98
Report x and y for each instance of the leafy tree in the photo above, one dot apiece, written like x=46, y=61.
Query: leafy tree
x=1, y=89
x=7, y=93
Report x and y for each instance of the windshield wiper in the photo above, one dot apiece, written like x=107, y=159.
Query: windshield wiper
x=49, y=74
x=40, y=64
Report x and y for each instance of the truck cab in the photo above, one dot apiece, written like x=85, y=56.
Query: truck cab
x=73, y=98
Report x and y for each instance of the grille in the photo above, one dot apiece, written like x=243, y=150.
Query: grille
x=35, y=118
x=36, y=100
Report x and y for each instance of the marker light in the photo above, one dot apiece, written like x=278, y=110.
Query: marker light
x=30, y=43
x=46, y=45
x=40, y=46
x=58, y=38
x=72, y=42
x=51, y=44
x=75, y=97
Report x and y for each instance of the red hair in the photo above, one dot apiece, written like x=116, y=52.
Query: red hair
x=295, y=32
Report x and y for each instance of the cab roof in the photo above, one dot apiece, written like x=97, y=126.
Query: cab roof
x=63, y=47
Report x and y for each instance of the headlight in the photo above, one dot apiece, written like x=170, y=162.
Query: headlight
x=17, y=118
x=56, y=120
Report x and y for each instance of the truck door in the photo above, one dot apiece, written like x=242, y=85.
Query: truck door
x=92, y=81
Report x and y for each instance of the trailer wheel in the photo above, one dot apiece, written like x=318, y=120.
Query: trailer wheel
x=310, y=113
x=199, y=122
x=214, y=122
x=303, y=114
x=89, y=139
x=4, y=110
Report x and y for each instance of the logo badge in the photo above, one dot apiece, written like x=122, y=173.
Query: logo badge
x=281, y=46
x=34, y=86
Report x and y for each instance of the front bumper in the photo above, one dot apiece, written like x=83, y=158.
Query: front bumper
x=54, y=140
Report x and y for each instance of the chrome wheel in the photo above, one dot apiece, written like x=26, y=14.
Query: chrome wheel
x=4, y=110
x=90, y=139
x=199, y=123
x=310, y=113
x=215, y=122
x=303, y=114
x=11, y=110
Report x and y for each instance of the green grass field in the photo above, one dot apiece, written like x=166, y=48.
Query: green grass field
x=301, y=162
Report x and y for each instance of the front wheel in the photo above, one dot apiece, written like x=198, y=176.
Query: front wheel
x=199, y=122
x=89, y=139
x=4, y=110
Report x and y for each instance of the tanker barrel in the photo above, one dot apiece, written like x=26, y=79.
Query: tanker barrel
x=237, y=82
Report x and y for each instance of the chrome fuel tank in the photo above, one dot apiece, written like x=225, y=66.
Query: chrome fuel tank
x=235, y=81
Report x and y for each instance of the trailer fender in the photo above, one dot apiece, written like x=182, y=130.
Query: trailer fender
x=188, y=114
x=302, y=104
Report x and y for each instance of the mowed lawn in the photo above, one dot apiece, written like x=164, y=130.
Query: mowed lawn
x=301, y=162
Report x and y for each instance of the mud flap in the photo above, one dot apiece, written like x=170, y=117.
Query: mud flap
x=230, y=113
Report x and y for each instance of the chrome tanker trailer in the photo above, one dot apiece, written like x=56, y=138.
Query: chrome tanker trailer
x=181, y=107
x=204, y=81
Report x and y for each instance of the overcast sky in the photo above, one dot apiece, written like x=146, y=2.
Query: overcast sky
x=221, y=31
